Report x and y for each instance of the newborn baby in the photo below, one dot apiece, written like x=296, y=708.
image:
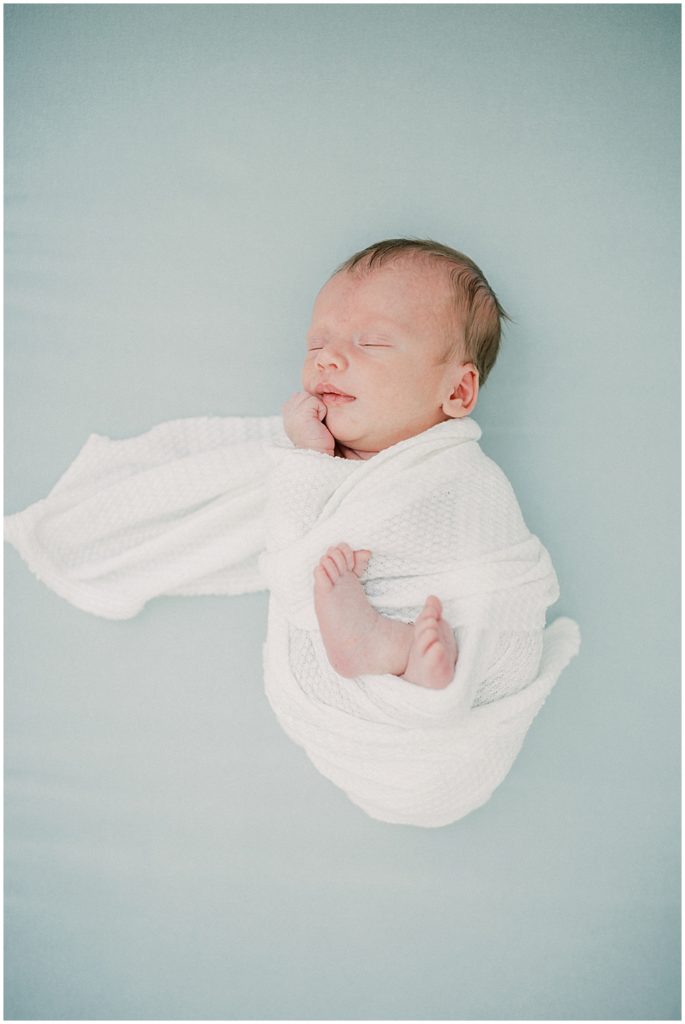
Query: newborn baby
x=388, y=540
x=399, y=338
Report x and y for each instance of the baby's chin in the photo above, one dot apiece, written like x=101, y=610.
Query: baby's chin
x=370, y=441
x=351, y=432
x=355, y=440
x=376, y=441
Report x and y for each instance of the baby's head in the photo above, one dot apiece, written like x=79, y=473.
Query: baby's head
x=402, y=335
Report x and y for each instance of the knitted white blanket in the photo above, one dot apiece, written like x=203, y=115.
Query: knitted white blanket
x=224, y=505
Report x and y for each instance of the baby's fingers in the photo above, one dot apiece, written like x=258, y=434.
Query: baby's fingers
x=319, y=408
x=361, y=560
x=304, y=402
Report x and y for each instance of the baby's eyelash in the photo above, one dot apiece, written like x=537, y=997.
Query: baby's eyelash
x=363, y=344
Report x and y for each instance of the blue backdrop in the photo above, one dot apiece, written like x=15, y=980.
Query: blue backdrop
x=180, y=180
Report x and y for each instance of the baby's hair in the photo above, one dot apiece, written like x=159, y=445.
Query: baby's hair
x=475, y=300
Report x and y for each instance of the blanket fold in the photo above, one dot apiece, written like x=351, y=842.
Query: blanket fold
x=224, y=505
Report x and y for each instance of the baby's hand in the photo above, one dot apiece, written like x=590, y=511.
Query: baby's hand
x=303, y=416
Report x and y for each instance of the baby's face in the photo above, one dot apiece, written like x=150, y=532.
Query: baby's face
x=378, y=340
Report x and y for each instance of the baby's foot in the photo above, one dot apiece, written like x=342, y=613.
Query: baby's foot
x=433, y=653
x=358, y=640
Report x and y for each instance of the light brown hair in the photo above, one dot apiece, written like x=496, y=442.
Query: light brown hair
x=478, y=309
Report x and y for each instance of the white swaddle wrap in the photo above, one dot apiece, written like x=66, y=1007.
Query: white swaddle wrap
x=223, y=505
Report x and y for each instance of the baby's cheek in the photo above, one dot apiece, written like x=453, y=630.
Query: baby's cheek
x=309, y=362
x=392, y=395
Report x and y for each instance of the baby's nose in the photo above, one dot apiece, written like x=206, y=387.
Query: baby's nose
x=331, y=355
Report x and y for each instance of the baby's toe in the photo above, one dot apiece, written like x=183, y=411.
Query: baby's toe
x=347, y=554
x=335, y=557
x=431, y=611
x=347, y=558
x=361, y=560
x=428, y=637
x=322, y=579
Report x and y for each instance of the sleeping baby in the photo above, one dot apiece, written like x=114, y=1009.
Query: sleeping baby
x=401, y=337
x=407, y=650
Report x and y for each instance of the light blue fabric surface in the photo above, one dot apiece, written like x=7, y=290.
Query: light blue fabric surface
x=179, y=182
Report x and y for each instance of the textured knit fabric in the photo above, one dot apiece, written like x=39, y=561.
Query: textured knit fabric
x=223, y=505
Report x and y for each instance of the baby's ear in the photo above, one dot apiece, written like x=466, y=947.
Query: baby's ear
x=463, y=392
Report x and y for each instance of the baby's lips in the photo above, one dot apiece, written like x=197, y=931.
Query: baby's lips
x=331, y=389
x=336, y=398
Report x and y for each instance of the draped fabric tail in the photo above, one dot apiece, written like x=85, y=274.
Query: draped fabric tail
x=178, y=510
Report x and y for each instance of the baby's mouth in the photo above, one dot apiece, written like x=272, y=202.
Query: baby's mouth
x=333, y=396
